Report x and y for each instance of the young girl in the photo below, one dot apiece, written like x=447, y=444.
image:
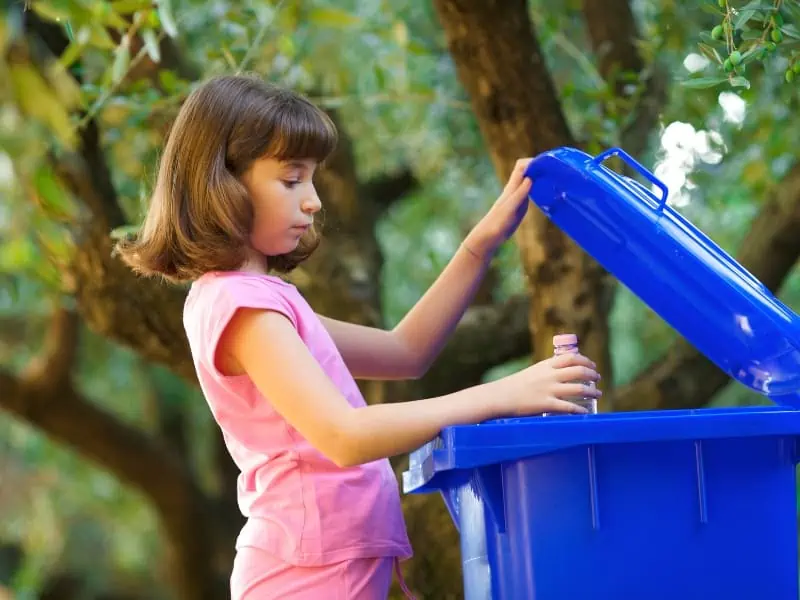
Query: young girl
x=235, y=201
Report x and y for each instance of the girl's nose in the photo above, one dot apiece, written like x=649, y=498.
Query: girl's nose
x=312, y=203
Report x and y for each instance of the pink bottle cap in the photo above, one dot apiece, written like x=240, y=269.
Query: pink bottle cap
x=565, y=339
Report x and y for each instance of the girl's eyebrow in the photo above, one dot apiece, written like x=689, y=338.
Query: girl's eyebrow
x=296, y=164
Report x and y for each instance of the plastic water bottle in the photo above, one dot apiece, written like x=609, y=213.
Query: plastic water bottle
x=567, y=343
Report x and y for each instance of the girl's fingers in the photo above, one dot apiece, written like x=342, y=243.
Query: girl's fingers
x=571, y=360
x=515, y=179
x=577, y=373
x=522, y=190
x=565, y=390
x=514, y=197
x=554, y=405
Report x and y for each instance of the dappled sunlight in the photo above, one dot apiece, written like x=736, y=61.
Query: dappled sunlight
x=682, y=148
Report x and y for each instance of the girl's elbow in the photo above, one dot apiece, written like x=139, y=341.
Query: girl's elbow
x=413, y=364
x=345, y=460
x=419, y=368
x=344, y=449
x=410, y=359
x=346, y=455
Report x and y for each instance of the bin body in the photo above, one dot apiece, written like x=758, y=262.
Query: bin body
x=700, y=505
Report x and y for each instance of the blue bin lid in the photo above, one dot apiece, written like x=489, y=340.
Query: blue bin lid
x=673, y=267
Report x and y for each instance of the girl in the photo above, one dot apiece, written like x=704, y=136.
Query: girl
x=234, y=202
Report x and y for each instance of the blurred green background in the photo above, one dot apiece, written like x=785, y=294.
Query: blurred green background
x=74, y=525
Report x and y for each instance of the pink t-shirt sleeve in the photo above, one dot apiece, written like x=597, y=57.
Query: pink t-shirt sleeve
x=233, y=295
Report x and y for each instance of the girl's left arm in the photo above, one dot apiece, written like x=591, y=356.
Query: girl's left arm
x=407, y=351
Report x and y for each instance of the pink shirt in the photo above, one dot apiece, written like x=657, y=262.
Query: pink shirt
x=299, y=505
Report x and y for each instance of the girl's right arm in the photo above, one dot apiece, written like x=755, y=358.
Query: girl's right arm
x=267, y=347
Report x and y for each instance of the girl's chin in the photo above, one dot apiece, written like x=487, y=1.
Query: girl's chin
x=290, y=246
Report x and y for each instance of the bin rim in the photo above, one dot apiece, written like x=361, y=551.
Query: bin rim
x=464, y=447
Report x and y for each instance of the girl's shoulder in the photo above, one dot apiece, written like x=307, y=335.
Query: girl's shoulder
x=214, y=299
x=219, y=285
x=217, y=295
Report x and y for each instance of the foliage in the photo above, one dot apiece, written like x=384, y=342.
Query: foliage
x=721, y=153
x=758, y=32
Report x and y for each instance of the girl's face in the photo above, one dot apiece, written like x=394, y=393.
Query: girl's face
x=284, y=203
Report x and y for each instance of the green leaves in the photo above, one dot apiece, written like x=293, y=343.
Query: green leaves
x=151, y=44
x=57, y=11
x=332, y=17
x=124, y=232
x=740, y=82
x=51, y=194
x=755, y=32
x=703, y=82
x=710, y=82
x=122, y=60
x=17, y=254
x=128, y=7
x=38, y=101
x=743, y=17
x=791, y=31
x=166, y=17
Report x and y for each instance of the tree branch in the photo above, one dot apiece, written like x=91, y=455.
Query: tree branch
x=614, y=35
x=684, y=378
x=166, y=414
x=487, y=336
x=52, y=368
x=49, y=42
x=16, y=328
x=44, y=395
x=11, y=557
x=141, y=461
x=144, y=314
x=645, y=115
x=101, y=195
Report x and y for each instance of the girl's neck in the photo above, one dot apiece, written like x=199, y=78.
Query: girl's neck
x=255, y=263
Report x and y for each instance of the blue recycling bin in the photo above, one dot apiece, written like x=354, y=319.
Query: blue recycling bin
x=657, y=505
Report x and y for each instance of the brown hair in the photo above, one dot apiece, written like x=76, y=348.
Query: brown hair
x=200, y=216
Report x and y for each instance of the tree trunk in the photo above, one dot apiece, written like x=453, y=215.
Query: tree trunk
x=520, y=115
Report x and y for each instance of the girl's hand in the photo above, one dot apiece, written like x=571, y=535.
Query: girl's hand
x=504, y=216
x=545, y=386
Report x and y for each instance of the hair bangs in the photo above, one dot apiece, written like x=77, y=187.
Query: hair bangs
x=302, y=132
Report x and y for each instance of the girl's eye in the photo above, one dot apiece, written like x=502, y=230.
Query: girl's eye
x=292, y=183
